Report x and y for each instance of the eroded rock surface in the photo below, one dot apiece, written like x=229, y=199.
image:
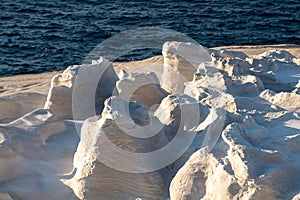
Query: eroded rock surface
x=228, y=128
x=95, y=180
x=255, y=157
x=100, y=74
x=35, y=151
x=180, y=63
x=143, y=88
x=249, y=162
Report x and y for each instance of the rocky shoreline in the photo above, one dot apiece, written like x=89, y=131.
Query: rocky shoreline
x=230, y=116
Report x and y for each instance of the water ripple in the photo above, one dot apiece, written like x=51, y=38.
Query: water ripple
x=38, y=35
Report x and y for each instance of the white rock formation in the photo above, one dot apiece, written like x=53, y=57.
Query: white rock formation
x=285, y=100
x=244, y=85
x=209, y=87
x=249, y=162
x=59, y=98
x=232, y=63
x=233, y=134
x=180, y=63
x=224, y=53
x=174, y=108
x=143, y=88
x=279, y=70
x=182, y=114
x=99, y=74
x=14, y=106
x=95, y=180
x=35, y=151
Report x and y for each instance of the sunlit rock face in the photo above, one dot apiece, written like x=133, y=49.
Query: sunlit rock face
x=143, y=88
x=60, y=95
x=256, y=150
x=95, y=180
x=59, y=98
x=180, y=63
x=277, y=69
x=219, y=125
x=284, y=100
x=249, y=162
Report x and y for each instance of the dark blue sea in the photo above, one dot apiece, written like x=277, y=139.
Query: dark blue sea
x=38, y=36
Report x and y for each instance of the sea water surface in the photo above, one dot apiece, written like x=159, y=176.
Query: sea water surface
x=38, y=35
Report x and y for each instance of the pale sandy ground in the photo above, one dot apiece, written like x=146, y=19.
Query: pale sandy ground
x=23, y=93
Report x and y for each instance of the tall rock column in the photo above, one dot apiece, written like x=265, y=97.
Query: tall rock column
x=180, y=63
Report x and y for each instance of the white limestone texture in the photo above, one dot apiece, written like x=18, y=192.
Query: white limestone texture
x=230, y=123
x=60, y=95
